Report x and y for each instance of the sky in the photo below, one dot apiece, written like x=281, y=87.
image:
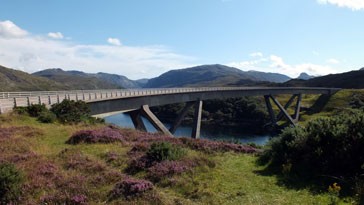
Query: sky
x=143, y=38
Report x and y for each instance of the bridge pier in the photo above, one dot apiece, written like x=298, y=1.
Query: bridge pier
x=136, y=117
x=283, y=110
x=197, y=120
x=180, y=117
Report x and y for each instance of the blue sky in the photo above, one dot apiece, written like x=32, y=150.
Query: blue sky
x=146, y=38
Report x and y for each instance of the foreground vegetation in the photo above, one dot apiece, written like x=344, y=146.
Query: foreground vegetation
x=59, y=163
x=75, y=159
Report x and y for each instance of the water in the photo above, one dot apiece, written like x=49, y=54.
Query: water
x=219, y=133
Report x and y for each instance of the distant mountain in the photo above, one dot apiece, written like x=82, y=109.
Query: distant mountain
x=269, y=77
x=75, y=79
x=352, y=79
x=362, y=68
x=142, y=82
x=305, y=76
x=212, y=75
x=119, y=80
x=15, y=80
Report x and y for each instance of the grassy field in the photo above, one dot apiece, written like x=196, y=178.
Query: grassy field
x=325, y=106
x=57, y=172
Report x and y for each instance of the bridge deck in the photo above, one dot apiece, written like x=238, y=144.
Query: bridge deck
x=108, y=101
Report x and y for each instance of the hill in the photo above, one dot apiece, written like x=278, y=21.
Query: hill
x=211, y=75
x=142, y=82
x=76, y=79
x=119, y=80
x=15, y=80
x=268, y=77
x=349, y=80
x=305, y=76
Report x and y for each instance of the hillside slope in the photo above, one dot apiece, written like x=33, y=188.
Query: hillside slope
x=15, y=80
x=76, y=79
x=349, y=80
x=211, y=75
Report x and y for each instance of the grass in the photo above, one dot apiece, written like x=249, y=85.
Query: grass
x=221, y=178
x=339, y=101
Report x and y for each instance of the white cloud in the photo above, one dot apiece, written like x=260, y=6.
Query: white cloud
x=353, y=4
x=257, y=54
x=334, y=61
x=57, y=35
x=114, y=41
x=277, y=65
x=9, y=30
x=31, y=53
x=295, y=70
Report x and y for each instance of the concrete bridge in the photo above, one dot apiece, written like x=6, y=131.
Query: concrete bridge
x=137, y=102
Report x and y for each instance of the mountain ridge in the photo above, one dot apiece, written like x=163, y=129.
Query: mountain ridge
x=211, y=75
x=75, y=79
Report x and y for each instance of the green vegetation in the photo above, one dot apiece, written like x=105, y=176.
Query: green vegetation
x=11, y=180
x=68, y=111
x=164, y=151
x=57, y=172
x=71, y=111
x=47, y=117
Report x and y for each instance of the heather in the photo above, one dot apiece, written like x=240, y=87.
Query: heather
x=130, y=188
x=87, y=163
x=105, y=135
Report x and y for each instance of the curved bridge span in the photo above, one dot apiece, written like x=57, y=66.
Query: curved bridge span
x=138, y=101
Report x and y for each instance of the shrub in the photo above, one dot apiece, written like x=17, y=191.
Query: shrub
x=21, y=110
x=47, y=117
x=105, y=135
x=11, y=181
x=326, y=145
x=130, y=188
x=95, y=120
x=161, y=151
x=166, y=169
x=35, y=109
x=210, y=146
x=71, y=111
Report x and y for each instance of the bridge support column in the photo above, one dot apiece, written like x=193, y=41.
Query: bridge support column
x=147, y=113
x=136, y=117
x=180, y=117
x=298, y=107
x=197, y=120
x=270, y=110
x=283, y=110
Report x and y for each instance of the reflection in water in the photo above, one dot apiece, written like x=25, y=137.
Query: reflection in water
x=219, y=133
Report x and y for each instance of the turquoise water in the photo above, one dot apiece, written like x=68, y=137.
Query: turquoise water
x=219, y=133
